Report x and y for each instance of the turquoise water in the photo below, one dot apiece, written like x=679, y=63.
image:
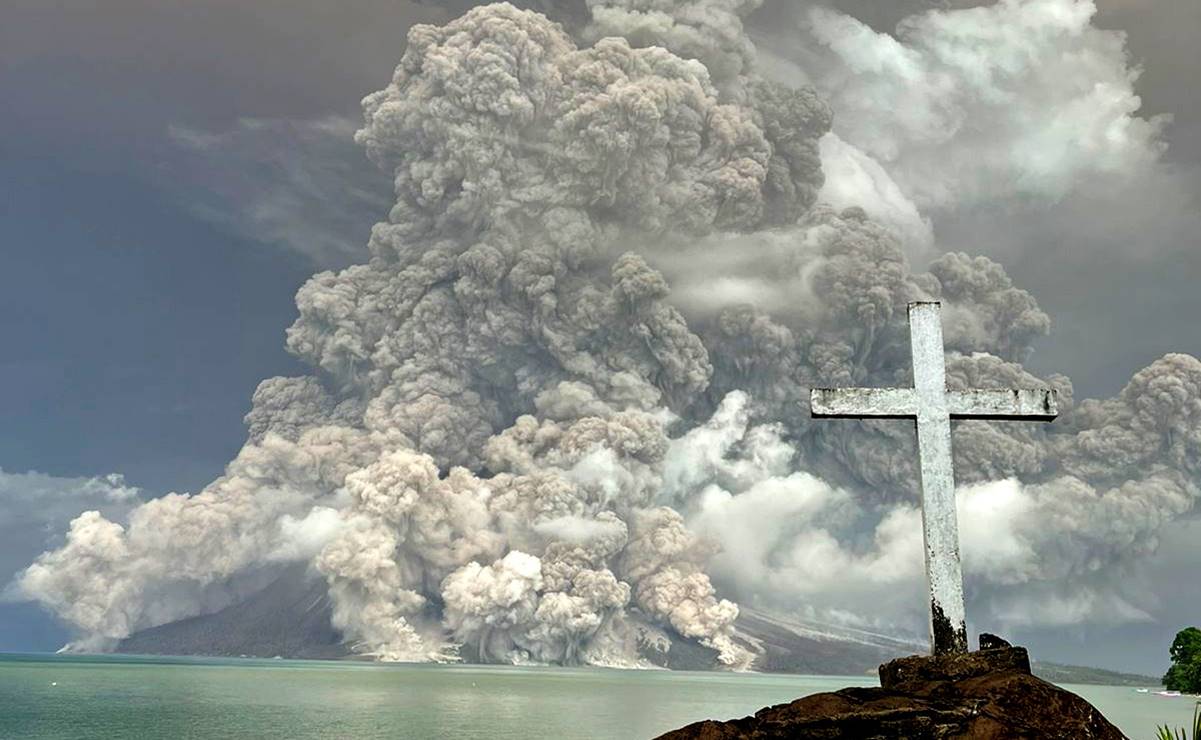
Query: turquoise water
x=129, y=697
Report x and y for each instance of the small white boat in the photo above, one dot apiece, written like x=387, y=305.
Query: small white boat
x=1167, y=693
x=1143, y=691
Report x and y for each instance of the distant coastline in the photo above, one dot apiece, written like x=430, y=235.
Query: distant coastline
x=1054, y=672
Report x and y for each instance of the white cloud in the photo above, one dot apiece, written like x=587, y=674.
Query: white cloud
x=854, y=178
x=1019, y=98
x=35, y=509
x=302, y=185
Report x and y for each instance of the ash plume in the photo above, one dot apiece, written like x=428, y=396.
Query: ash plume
x=564, y=402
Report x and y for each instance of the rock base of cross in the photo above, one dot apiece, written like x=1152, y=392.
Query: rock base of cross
x=985, y=695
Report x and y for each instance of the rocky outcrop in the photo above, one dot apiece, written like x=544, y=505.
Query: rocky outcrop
x=985, y=695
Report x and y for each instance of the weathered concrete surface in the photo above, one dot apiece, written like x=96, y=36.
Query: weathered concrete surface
x=986, y=695
x=1003, y=404
x=933, y=406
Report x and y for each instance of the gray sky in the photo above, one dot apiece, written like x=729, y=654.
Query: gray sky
x=143, y=300
x=1116, y=311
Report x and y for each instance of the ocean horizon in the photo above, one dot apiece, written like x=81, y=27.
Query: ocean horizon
x=52, y=696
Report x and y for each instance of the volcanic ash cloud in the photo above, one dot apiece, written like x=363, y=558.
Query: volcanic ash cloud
x=561, y=408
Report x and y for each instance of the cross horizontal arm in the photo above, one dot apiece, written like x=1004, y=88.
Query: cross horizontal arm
x=854, y=403
x=1033, y=405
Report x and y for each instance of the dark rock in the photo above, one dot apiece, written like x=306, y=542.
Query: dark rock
x=992, y=642
x=918, y=670
x=988, y=695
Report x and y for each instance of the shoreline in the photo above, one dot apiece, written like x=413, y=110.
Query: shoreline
x=1056, y=673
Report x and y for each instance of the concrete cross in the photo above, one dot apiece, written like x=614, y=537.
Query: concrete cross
x=933, y=406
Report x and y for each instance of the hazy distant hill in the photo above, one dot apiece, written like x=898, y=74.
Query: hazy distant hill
x=290, y=618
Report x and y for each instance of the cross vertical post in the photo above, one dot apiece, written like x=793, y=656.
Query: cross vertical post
x=940, y=529
x=932, y=407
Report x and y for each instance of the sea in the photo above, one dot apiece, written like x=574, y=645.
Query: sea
x=112, y=696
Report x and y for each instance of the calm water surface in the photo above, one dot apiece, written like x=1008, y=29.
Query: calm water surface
x=126, y=697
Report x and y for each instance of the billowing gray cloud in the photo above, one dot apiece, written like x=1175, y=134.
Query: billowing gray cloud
x=518, y=160
x=1018, y=98
x=36, y=508
x=560, y=403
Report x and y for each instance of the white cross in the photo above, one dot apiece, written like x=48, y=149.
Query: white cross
x=933, y=406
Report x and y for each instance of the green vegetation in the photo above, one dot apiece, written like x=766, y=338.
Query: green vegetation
x=1185, y=674
x=1163, y=732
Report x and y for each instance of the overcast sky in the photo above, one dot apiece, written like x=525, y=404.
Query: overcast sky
x=142, y=300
